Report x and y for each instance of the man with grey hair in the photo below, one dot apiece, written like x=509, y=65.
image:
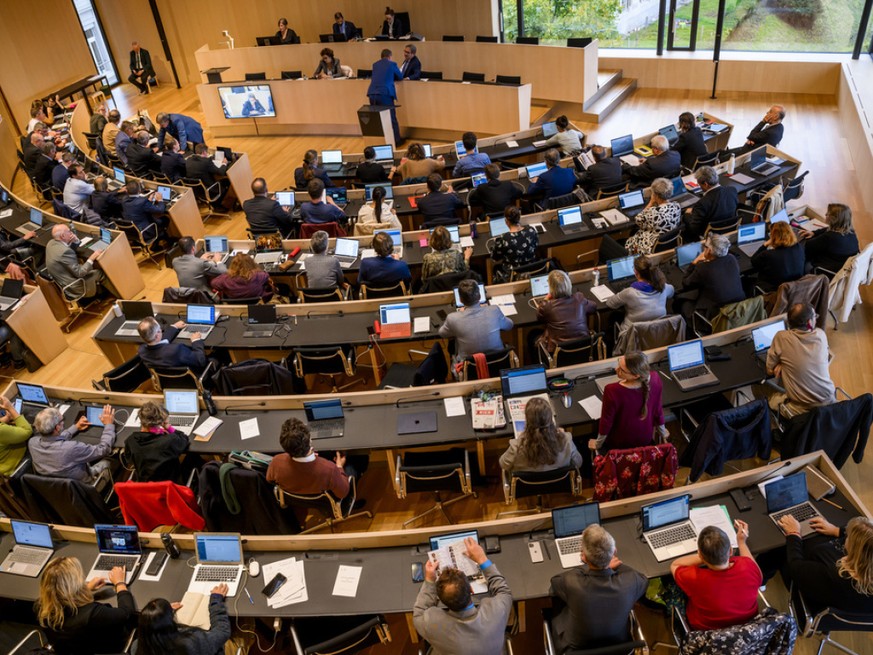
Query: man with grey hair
x=663, y=163
x=580, y=595
x=766, y=133
x=142, y=159
x=323, y=271
x=63, y=264
x=718, y=204
x=56, y=453
x=556, y=181
x=711, y=281
x=159, y=349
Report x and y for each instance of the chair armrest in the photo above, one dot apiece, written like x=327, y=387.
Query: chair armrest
x=547, y=637
x=206, y=371
x=762, y=600
x=694, y=327
x=398, y=490
x=411, y=352
x=190, y=480
x=636, y=629
x=506, y=480
x=68, y=292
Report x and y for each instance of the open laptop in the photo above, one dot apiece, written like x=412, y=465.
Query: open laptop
x=632, y=202
x=681, y=196
x=539, y=286
x=428, y=150
x=332, y=160
x=670, y=132
x=33, y=548
x=325, y=418
x=183, y=408
x=751, y=237
x=11, y=292
x=535, y=170
x=395, y=321
x=688, y=367
x=758, y=162
x=620, y=273
x=519, y=386
x=687, y=253
x=269, y=252
x=219, y=559
x=368, y=191
x=285, y=198
x=570, y=220
x=482, y=299
x=33, y=399
x=550, y=129
x=780, y=217
x=623, y=148
x=667, y=528
x=396, y=239
x=497, y=226
x=119, y=546
x=478, y=179
x=762, y=337
x=33, y=224
x=120, y=177
x=103, y=242
x=346, y=251
x=134, y=311
x=198, y=318
x=790, y=496
x=165, y=192
x=219, y=245
x=458, y=242
x=384, y=155
x=261, y=322
x=461, y=149
x=339, y=195
x=570, y=522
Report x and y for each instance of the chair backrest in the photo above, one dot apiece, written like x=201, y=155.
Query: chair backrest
x=323, y=502
x=522, y=484
x=149, y=505
x=329, y=360
x=432, y=75
x=514, y=80
x=453, y=37
x=255, y=77
x=525, y=271
x=333, y=230
x=578, y=351
x=472, y=77
x=250, y=378
x=794, y=189
x=433, y=471
x=506, y=358
x=295, y=75
x=65, y=501
x=768, y=632
x=614, y=190
x=487, y=39
x=398, y=289
x=175, y=377
x=350, y=634
x=669, y=240
x=312, y=294
x=568, y=199
x=645, y=335
x=63, y=210
x=126, y=377
x=53, y=295
x=368, y=229
x=738, y=314
x=186, y=295
x=433, y=369
x=812, y=289
x=709, y=159
x=723, y=227
x=447, y=281
x=251, y=300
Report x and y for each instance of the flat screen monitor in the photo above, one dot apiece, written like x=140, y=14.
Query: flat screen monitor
x=255, y=101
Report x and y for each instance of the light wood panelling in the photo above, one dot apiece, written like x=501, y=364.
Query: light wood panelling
x=124, y=23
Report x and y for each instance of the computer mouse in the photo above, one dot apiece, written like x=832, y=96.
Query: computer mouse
x=568, y=400
x=254, y=568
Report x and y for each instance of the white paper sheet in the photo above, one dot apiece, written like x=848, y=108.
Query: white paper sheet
x=602, y=292
x=248, y=429
x=455, y=406
x=593, y=406
x=512, y=144
x=347, y=578
x=209, y=425
x=739, y=178
x=5, y=213
x=508, y=310
x=367, y=253
x=421, y=324
x=504, y=299
x=294, y=590
x=132, y=420
x=716, y=516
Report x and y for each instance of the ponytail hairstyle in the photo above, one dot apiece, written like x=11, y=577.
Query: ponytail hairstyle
x=310, y=159
x=378, y=195
x=637, y=364
x=650, y=272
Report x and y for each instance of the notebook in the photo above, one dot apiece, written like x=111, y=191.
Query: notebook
x=570, y=220
x=394, y=321
x=198, y=318
x=11, y=292
x=261, y=321
x=219, y=559
x=332, y=160
x=118, y=546
x=325, y=418
x=570, y=522
x=688, y=367
x=789, y=495
x=32, y=550
x=519, y=386
x=751, y=237
x=667, y=528
x=134, y=311
x=183, y=407
x=33, y=224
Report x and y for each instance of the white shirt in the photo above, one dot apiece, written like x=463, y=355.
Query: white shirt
x=76, y=193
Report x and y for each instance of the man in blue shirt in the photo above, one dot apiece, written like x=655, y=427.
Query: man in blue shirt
x=385, y=269
x=382, y=90
x=182, y=128
x=556, y=181
x=473, y=162
x=317, y=211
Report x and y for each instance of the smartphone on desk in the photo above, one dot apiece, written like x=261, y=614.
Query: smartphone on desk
x=274, y=585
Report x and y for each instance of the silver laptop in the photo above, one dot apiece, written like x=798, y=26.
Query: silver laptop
x=325, y=418
x=119, y=546
x=396, y=239
x=11, y=292
x=620, y=273
x=346, y=251
x=667, y=528
x=790, y=496
x=688, y=367
x=762, y=337
x=332, y=160
x=198, y=318
x=33, y=548
x=103, y=242
x=539, y=286
x=183, y=408
x=687, y=253
x=271, y=257
x=134, y=311
x=751, y=237
x=218, y=245
x=285, y=198
x=519, y=386
x=219, y=559
x=33, y=400
x=570, y=523
x=33, y=224
x=602, y=382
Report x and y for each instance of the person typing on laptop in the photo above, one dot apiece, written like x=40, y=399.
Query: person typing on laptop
x=476, y=327
x=779, y=259
x=711, y=280
x=717, y=205
x=264, y=214
x=195, y=272
x=385, y=269
x=378, y=210
x=244, y=279
x=161, y=351
x=663, y=163
x=645, y=299
x=543, y=446
x=580, y=595
x=556, y=181
x=443, y=259
x=14, y=433
x=563, y=312
x=323, y=271
x=315, y=211
x=722, y=588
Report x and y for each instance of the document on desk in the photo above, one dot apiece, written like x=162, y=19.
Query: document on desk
x=84, y=241
x=614, y=217
x=366, y=253
x=248, y=429
x=347, y=578
x=294, y=590
x=602, y=292
x=5, y=213
x=301, y=260
x=716, y=516
x=739, y=178
x=194, y=610
x=512, y=144
x=508, y=310
x=421, y=324
x=593, y=406
x=133, y=419
x=455, y=406
x=205, y=430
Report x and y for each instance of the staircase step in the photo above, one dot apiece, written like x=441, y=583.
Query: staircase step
x=606, y=80
x=606, y=103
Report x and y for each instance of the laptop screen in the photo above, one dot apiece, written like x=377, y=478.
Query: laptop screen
x=384, y=153
x=389, y=190
x=550, y=129
x=262, y=314
x=685, y=355
x=338, y=193
x=573, y=520
x=454, y=235
x=331, y=156
x=523, y=381
x=619, y=269
x=346, y=247
x=762, y=337
x=201, y=314
x=787, y=492
x=27, y=533
x=94, y=413
x=535, y=170
x=482, y=299
x=118, y=539
x=498, y=226
x=678, y=186
x=428, y=151
x=285, y=198
x=780, y=217
x=539, y=286
x=570, y=215
x=217, y=548
x=751, y=232
x=687, y=253
x=105, y=235
x=623, y=145
x=119, y=175
x=4, y=196
x=323, y=410
x=13, y=288
x=179, y=401
x=631, y=199
x=670, y=132
x=32, y=393
x=756, y=157
x=666, y=512
x=448, y=539
x=394, y=313
x=136, y=310
x=215, y=244
x=479, y=178
x=35, y=216
x=396, y=236
x=166, y=192
x=461, y=150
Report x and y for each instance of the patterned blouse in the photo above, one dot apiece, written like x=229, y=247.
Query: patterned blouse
x=514, y=249
x=652, y=222
x=440, y=262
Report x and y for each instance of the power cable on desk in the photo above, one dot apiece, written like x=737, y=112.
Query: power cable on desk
x=242, y=584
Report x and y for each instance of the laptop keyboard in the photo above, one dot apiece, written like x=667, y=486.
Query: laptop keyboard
x=216, y=574
x=182, y=421
x=109, y=562
x=688, y=373
x=802, y=513
x=28, y=556
x=268, y=257
x=569, y=545
x=672, y=536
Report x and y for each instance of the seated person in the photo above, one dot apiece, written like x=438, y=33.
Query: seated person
x=722, y=589
x=515, y=248
x=173, y=162
x=323, y=271
x=604, y=173
x=475, y=327
x=141, y=158
x=438, y=207
x=415, y=167
x=159, y=633
x=244, y=279
x=77, y=191
x=472, y=162
x=44, y=167
x=378, y=210
x=564, y=313
x=155, y=450
x=61, y=173
x=711, y=281
x=309, y=170
x=543, y=446
x=632, y=409
x=328, y=67
x=799, y=358
x=555, y=182
x=690, y=143
x=195, y=272
x=568, y=140
x=580, y=594
x=253, y=107
x=370, y=171
x=74, y=622
x=766, y=133
x=495, y=195
x=98, y=119
x=55, y=452
x=663, y=163
x=393, y=27
x=344, y=27
x=200, y=166
x=317, y=211
x=411, y=66
x=63, y=265
x=123, y=140
x=111, y=130
x=160, y=351
x=105, y=202
x=717, y=206
x=264, y=214
x=443, y=258
x=286, y=35
x=386, y=269
x=14, y=433
x=646, y=298
x=829, y=249
x=144, y=210
x=779, y=259
x=661, y=216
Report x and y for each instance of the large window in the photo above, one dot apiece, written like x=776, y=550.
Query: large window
x=96, y=40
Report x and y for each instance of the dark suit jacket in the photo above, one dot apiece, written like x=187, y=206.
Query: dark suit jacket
x=42, y=170
x=666, y=164
x=142, y=159
x=717, y=205
x=400, y=28
x=168, y=355
x=31, y=156
x=203, y=168
x=412, y=70
x=290, y=37
x=264, y=214
x=140, y=211
x=439, y=205
x=371, y=173
x=690, y=146
x=385, y=72
x=602, y=175
x=145, y=59
x=779, y=265
x=770, y=136
x=556, y=181
x=173, y=165
x=830, y=249
x=495, y=195
x=717, y=281
x=107, y=204
x=347, y=29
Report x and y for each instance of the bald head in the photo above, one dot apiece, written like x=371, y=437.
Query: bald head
x=60, y=231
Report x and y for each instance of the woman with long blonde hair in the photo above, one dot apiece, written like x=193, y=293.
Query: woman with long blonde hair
x=543, y=446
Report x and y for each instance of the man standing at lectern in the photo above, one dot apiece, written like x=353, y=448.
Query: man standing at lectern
x=382, y=90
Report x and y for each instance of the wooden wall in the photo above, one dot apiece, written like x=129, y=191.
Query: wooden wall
x=855, y=102
x=42, y=48
x=127, y=22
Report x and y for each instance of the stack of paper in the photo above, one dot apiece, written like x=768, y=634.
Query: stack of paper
x=487, y=415
x=506, y=304
x=602, y=292
x=294, y=590
x=716, y=516
x=206, y=429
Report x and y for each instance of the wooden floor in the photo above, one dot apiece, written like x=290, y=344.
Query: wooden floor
x=812, y=134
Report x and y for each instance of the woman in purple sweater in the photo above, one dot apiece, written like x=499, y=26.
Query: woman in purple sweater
x=244, y=279
x=631, y=407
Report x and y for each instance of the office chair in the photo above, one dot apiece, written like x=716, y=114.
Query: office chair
x=709, y=159
x=251, y=300
x=636, y=640
x=532, y=269
x=669, y=240
x=578, y=351
x=472, y=77
x=432, y=75
x=567, y=200
x=329, y=361
x=480, y=38
x=458, y=38
x=828, y=620
x=579, y=42
x=434, y=471
x=523, y=484
x=292, y=75
x=67, y=303
x=180, y=377
x=433, y=369
x=612, y=191
x=730, y=316
x=333, y=229
x=512, y=80
x=724, y=227
x=794, y=188
x=399, y=289
x=314, y=295
x=349, y=634
x=124, y=378
x=334, y=510
x=256, y=77
x=206, y=197
x=32, y=642
x=146, y=241
x=528, y=40
x=65, y=501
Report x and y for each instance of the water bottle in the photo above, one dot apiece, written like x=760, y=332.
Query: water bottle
x=732, y=162
x=595, y=277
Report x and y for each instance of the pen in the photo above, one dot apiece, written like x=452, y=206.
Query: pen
x=251, y=600
x=830, y=502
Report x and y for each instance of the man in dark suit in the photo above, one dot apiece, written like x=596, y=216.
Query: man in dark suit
x=200, y=166
x=160, y=351
x=344, y=27
x=556, y=181
x=604, y=173
x=173, y=162
x=265, y=214
x=495, y=195
x=145, y=210
x=393, y=27
x=663, y=163
x=411, y=67
x=105, y=202
x=382, y=90
x=140, y=68
x=718, y=204
x=42, y=169
x=581, y=593
x=766, y=133
x=438, y=207
x=32, y=151
x=141, y=159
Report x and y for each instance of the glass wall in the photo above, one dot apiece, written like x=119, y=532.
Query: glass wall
x=96, y=40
